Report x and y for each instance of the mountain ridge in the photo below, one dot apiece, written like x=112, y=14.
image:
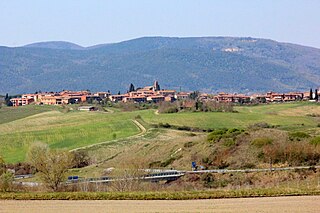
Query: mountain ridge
x=209, y=64
x=55, y=45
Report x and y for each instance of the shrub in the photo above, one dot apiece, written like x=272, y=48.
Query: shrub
x=294, y=153
x=6, y=181
x=228, y=142
x=260, y=142
x=166, y=107
x=218, y=134
x=186, y=128
x=260, y=125
x=2, y=166
x=298, y=135
x=22, y=168
x=315, y=141
x=313, y=115
x=81, y=159
x=207, y=180
x=249, y=166
x=165, y=125
x=138, y=117
x=189, y=144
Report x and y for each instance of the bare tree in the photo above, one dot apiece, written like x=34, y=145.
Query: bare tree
x=128, y=175
x=51, y=165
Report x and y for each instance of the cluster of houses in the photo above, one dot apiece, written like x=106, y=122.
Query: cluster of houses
x=59, y=98
x=266, y=98
x=153, y=94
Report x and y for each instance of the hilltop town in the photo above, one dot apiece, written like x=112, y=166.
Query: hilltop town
x=154, y=94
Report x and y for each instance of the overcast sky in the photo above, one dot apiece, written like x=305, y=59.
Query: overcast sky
x=90, y=22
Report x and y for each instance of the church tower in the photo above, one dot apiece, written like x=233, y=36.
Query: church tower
x=156, y=86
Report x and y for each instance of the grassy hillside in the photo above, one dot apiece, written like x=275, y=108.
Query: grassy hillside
x=8, y=114
x=22, y=126
x=284, y=115
x=62, y=130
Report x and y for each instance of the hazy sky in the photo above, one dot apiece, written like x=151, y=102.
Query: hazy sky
x=89, y=22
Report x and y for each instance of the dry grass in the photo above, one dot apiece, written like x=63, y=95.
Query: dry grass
x=302, y=111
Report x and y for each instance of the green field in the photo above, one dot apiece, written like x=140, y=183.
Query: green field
x=8, y=114
x=22, y=126
x=62, y=130
x=288, y=116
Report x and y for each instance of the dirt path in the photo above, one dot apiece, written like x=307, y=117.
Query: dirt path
x=140, y=126
x=239, y=205
x=142, y=129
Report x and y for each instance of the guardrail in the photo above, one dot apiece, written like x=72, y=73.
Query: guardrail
x=250, y=170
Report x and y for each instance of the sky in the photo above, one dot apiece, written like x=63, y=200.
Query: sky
x=90, y=22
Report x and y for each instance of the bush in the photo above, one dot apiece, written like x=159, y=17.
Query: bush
x=260, y=142
x=22, y=168
x=295, y=153
x=186, y=128
x=207, y=180
x=167, y=107
x=165, y=125
x=138, y=117
x=298, y=135
x=189, y=144
x=217, y=135
x=261, y=125
x=315, y=141
x=2, y=166
x=81, y=159
x=229, y=142
x=6, y=180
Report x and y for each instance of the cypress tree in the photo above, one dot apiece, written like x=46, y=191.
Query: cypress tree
x=131, y=88
x=316, y=96
x=311, y=95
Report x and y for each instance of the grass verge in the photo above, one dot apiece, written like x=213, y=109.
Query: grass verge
x=183, y=195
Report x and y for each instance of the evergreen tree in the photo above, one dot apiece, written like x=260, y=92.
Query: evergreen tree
x=316, y=96
x=311, y=95
x=194, y=95
x=131, y=88
x=119, y=93
x=7, y=100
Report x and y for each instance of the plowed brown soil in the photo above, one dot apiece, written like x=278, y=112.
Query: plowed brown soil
x=268, y=204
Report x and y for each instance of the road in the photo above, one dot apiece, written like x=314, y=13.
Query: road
x=308, y=204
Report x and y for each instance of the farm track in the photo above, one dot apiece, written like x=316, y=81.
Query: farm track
x=142, y=132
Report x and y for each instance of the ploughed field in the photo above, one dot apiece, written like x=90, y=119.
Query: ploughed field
x=69, y=129
x=266, y=204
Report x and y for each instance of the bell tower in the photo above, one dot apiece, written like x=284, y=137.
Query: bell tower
x=156, y=86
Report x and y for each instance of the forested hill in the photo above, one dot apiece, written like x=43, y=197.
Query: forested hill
x=207, y=64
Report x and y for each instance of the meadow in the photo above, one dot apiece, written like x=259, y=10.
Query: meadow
x=288, y=116
x=8, y=114
x=20, y=127
x=62, y=130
